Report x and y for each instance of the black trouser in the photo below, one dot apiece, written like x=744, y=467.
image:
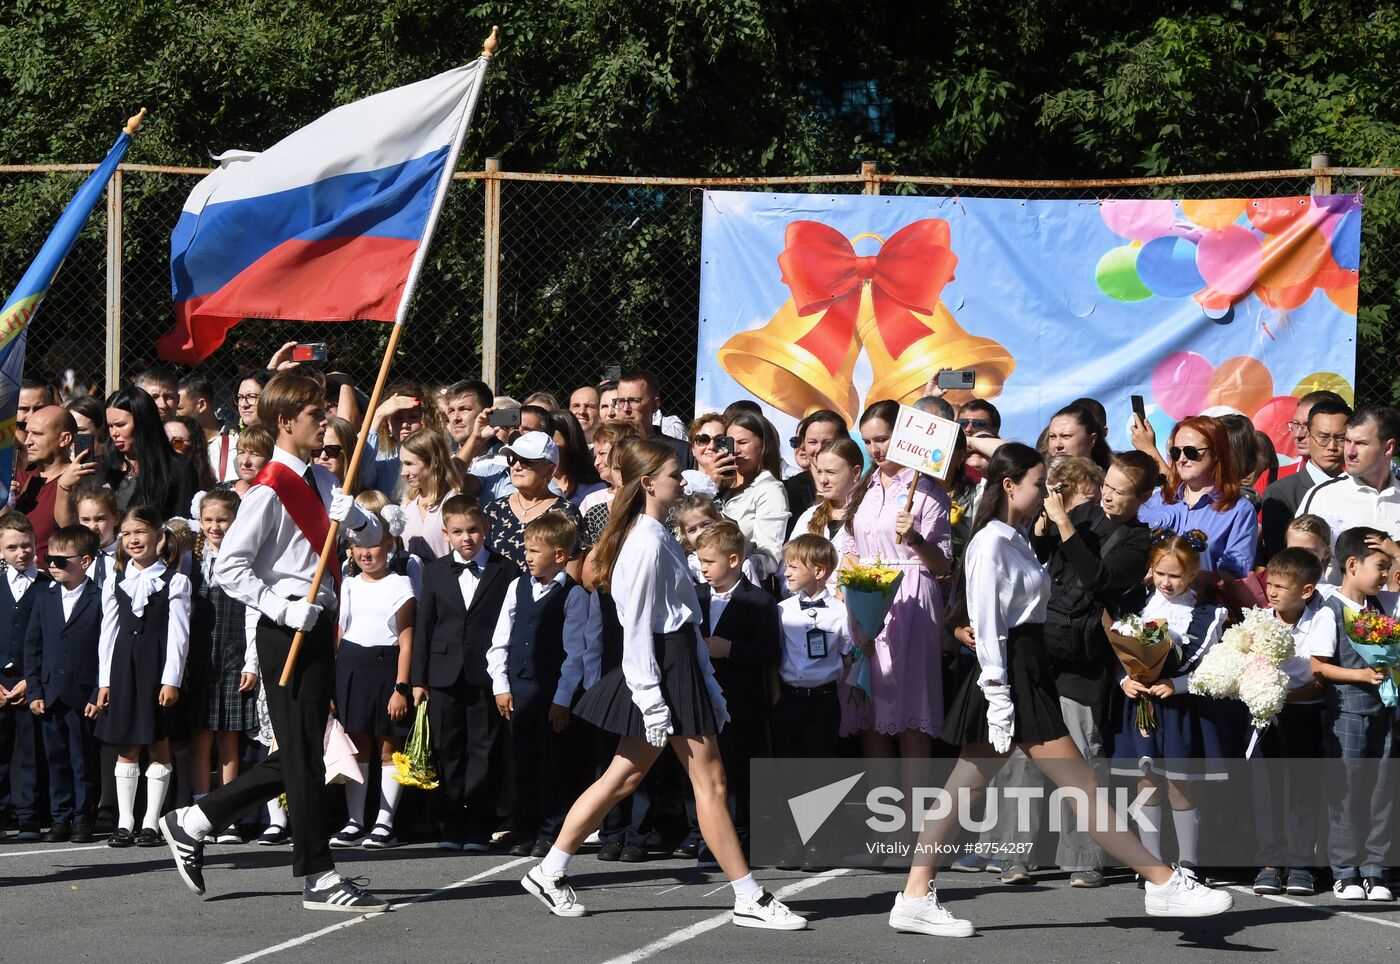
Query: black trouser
x=1287, y=795
x=465, y=726
x=541, y=766
x=807, y=722
x=71, y=755
x=297, y=767
x=20, y=752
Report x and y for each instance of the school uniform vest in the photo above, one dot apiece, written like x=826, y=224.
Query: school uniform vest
x=536, y=652
x=1193, y=646
x=1362, y=699
x=14, y=622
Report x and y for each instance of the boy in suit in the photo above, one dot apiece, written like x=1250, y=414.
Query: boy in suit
x=19, y=736
x=462, y=596
x=740, y=624
x=536, y=666
x=60, y=666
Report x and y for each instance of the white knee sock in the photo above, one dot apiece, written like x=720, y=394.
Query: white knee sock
x=355, y=796
x=157, y=784
x=389, y=792
x=128, y=779
x=555, y=862
x=276, y=814
x=745, y=888
x=1188, y=835
x=1151, y=838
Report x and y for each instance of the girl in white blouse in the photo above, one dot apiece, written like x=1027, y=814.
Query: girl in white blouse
x=664, y=691
x=1013, y=700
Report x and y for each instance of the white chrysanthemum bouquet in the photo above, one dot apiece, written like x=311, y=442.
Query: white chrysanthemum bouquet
x=1245, y=666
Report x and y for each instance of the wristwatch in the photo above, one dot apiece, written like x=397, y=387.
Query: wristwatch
x=914, y=538
x=403, y=689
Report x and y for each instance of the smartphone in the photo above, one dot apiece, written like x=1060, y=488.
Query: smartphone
x=82, y=446
x=1139, y=409
x=310, y=352
x=962, y=380
x=504, y=418
x=724, y=443
x=612, y=373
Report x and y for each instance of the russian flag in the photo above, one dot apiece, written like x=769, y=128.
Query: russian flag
x=329, y=224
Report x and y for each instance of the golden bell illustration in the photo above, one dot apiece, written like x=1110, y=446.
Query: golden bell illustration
x=946, y=345
x=770, y=363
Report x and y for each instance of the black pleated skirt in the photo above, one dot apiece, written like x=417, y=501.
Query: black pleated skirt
x=1034, y=699
x=134, y=714
x=364, y=683
x=608, y=703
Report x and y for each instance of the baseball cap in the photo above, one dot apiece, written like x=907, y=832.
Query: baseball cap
x=533, y=445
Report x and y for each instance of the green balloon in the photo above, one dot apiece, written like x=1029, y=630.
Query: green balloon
x=1117, y=276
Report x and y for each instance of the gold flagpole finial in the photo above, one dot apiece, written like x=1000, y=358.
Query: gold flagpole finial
x=488, y=48
x=134, y=123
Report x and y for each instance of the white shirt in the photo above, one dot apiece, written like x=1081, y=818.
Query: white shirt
x=177, y=637
x=216, y=448
x=369, y=609
x=69, y=598
x=575, y=638
x=21, y=580
x=719, y=602
x=761, y=511
x=265, y=561
x=653, y=592
x=1315, y=634
x=1346, y=503
x=469, y=580
x=107, y=559
x=250, y=615
x=1006, y=587
x=798, y=667
x=1178, y=614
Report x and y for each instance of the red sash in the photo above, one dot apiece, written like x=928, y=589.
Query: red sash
x=305, y=507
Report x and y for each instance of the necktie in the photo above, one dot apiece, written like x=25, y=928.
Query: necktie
x=310, y=478
x=812, y=603
x=459, y=567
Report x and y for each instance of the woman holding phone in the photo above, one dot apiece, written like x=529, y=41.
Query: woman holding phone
x=753, y=497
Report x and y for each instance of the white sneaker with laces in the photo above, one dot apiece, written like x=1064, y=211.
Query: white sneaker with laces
x=553, y=891
x=1185, y=896
x=1348, y=888
x=925, y=915
x=767, y=912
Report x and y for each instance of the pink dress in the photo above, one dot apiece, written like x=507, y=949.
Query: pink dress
x=907, y=669
x=422, y=531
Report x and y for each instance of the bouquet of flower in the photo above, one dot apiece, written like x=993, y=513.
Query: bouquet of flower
x=1376, y=639
x=1245, y=666
x=1142, y=647
x=414, y=766
x=869, y=592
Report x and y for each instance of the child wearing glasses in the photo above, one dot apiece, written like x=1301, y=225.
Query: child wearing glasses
x=60, y=665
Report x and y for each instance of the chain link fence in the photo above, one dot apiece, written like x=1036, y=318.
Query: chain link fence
x=591, y=273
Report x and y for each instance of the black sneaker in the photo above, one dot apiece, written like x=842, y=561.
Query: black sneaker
x=148, y=837
x=1269, y=882
x=60, y=832
x=121, y=837
x=610, y=851
x=187, y=851
x=541, y=849
x=632, y=854
x=82, y=832
x=347, y=897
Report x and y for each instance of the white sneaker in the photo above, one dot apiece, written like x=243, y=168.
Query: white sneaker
x=767, y=912
x=554, y=892
x=925, y=915
x=1184, y=896
x=1348, y=888
x=594, y=839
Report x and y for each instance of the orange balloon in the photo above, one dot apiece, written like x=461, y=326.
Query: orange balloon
x=1242, y=382
x=1216, y=213
x=1285, y=299
x=1292, y=258
x=1344, y=298
x=1332, y=275
x=1209, y=299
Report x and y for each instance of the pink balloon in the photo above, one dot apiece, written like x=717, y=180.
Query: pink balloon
x=1138, y=220
x=1229, y=259
x=1179, y=384
x=1272, y=419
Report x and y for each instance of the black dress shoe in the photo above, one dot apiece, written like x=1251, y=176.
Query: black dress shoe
x=28, y=832
x=82, y=832
x=686, y=851
x=61, y=832
x=632, y=854
x=610, y=851
x=522, y=848
x=541, y=849
x=106, y=822
x=121, y=837
x=149, y=838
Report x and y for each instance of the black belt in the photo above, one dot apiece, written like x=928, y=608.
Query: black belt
x=822, y=690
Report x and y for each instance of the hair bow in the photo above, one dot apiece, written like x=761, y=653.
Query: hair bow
x=394, y=519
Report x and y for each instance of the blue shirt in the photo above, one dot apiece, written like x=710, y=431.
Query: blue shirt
x=1233, y=535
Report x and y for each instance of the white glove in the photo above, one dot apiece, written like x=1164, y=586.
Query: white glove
x=1001, y=717
x=657, y=722
x=300, y=615
x=717, y=702
x=344, y=510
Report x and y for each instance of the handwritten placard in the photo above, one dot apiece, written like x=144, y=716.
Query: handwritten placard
x=923, y=442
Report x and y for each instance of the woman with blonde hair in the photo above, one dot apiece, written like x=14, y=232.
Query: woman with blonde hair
x=428, y=481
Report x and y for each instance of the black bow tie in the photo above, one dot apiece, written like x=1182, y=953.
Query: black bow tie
x=459, y=567
x=812, y=603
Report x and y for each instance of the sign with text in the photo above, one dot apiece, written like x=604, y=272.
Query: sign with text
x=923, y=442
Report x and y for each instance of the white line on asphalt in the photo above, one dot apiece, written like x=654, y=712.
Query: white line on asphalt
x=1318, y=907
x=62, y=850
x=669, y=889
x=719, y=920
x=717, y=889
x=306, y=938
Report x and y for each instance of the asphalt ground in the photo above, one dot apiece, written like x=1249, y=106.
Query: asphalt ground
x=92, y=903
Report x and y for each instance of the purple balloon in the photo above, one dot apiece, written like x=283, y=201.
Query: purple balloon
x=1346, y=242
x=1167, y=265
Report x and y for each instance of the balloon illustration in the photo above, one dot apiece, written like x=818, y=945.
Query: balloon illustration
x=1216, y=213
x=1275, y=215
x=1293, y=258
x=1138, y=220
x=1272, y=419
x=1229, y=259
x=1117, y=275
x=1242, y=382
x=1346, y=241
x=1179, y=384
x=1325, y=382
x=1167, y=266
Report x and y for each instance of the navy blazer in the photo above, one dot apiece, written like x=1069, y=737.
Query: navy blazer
x=60, y=655
x=751, y=623
x=14, y=621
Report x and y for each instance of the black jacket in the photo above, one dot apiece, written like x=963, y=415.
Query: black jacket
x=750, y=622
x=450, y=641
x=60, y=655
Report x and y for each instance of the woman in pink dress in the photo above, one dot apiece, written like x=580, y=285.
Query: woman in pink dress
x=906, y=712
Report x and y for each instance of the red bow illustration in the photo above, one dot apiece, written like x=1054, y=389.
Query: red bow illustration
x=908, y=274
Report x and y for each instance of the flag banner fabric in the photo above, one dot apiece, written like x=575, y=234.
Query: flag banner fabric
x=328, y=224
x=23, y=302
x=814, y=302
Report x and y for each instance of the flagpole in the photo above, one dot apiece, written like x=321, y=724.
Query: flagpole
x=352, y=472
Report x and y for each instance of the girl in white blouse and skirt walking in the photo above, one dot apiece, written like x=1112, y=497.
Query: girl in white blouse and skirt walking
x=663, y=693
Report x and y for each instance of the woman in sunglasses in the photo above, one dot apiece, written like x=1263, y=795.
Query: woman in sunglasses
x=336, y=448
x=182, y=431
x=714, y=469
x=1202, y=492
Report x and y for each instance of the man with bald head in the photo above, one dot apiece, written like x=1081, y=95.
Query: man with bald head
x=50, y=472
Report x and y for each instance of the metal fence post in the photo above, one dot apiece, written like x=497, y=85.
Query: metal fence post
x=114, y=282
x=491, y=272
x=1322, y=184
x=872, y=180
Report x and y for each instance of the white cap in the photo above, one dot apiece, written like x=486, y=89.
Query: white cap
x=533, y=445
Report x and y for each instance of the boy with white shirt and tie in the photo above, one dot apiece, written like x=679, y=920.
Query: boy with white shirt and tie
x=462, y=596
x=19, y=741
x=816, y=638
x=267, y=562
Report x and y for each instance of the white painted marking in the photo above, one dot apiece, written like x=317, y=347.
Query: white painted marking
x=1321, y=908
x=60, y=850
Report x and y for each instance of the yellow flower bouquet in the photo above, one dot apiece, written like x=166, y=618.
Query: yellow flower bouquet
x=414, y=766
x=869, y=589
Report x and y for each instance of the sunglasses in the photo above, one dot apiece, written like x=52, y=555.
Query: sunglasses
x=59, y=562
x=702, y=439
x=975, y=424
x=1192, y=453
x=179, y=444
x=329, y=451
x=513, y=460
